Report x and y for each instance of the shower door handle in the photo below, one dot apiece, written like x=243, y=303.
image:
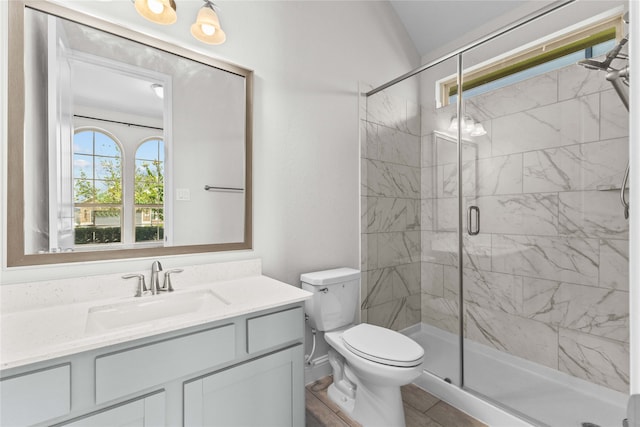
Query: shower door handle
x=473, y=211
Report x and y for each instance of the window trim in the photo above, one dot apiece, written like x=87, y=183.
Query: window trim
x=540, y=52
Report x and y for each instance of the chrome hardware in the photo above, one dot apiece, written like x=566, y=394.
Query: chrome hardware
x=166, y=286
x=324, y=290
x=214, y=188
x=142, y=286
x=470, y=230
x=623, y=199
x=156, y=267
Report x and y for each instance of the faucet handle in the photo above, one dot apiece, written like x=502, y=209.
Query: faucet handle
x=167, y=279
x=142, y=286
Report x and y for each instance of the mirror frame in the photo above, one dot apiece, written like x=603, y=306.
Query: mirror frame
x=15, y=238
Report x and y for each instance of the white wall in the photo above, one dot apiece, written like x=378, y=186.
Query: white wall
x=308, y=58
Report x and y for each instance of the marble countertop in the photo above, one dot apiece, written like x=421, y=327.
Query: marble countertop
x=34, y=335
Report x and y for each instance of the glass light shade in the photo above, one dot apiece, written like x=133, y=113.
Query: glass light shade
x=158, y=11
x=453, y=125
x=468, y=125
x=206, y=20
x=478, y=130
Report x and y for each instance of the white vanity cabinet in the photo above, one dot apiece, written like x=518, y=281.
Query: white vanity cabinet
x=256, y=393
x=245, y=371
x=146, y=411
x=267, y=391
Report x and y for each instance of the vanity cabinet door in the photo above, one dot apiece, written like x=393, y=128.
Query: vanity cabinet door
x=35, y=397
x=264, y=392
x=148, y=411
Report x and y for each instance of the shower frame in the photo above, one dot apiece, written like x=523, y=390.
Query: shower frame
x=634, y=156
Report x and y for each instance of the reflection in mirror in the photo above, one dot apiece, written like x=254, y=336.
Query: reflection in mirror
x=117, y=140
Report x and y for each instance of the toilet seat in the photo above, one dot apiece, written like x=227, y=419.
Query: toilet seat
x=382, y=345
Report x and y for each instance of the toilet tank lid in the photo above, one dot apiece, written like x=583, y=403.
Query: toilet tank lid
x=330, y=277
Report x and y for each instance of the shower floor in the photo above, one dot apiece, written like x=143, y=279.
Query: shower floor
x=527, y=389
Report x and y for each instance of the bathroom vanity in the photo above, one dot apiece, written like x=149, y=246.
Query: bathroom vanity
x=235, y=363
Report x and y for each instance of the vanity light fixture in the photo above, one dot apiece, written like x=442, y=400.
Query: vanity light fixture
x=158, y=89
x=207, y=26
x=469, y=126
x=158, y=11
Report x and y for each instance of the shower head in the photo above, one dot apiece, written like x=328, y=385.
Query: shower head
x=611, y=55
x=591, y=64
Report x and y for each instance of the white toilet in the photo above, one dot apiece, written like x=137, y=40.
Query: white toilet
x=369, y=363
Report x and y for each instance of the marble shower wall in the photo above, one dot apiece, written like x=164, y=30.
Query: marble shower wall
x=547, y=277
x=390, y=163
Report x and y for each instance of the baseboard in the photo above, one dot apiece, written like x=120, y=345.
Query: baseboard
x=316, y=369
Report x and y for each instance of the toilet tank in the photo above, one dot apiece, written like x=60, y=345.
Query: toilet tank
x=335, y=297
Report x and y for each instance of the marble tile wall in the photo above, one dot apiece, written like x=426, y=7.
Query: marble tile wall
x=547, y=277
x=391, y=206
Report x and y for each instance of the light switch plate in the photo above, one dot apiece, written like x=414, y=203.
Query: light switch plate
x=183, y=194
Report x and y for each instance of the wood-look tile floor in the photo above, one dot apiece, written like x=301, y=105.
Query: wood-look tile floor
x=421, y=409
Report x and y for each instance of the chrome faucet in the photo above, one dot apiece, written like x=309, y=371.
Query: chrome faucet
x=156, y=268
x=166, y=285
x=142, y=286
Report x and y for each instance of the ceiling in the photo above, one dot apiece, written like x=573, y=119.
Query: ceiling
x=111, y=90
x=432, y=24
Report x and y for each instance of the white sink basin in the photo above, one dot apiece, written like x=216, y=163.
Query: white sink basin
x=146, y=309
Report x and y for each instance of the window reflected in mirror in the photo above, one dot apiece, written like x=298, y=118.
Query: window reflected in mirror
x=149, y=191
x=97, y=189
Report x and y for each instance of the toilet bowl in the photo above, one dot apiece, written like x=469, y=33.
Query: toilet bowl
x=369, y=362
x=375, y=362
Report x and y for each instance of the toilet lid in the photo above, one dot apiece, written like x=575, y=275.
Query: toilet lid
x=383, y=345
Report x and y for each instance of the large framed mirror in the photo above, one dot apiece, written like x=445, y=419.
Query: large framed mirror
x=121, y=145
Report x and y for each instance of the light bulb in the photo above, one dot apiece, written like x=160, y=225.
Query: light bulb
x=155, y=6
x=208, y=29
x=158, y=89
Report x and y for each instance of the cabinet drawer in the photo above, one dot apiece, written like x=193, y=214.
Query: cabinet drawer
x=125, y=372
x=35, y=397
x=147, y=411
x=270, y=330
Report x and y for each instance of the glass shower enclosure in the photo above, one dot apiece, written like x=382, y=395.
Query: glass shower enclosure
x=493, y=232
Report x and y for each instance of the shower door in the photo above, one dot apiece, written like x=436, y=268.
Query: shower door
x=544, y=285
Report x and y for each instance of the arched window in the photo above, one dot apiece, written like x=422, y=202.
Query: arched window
x=149, y=191
x=97, y=187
